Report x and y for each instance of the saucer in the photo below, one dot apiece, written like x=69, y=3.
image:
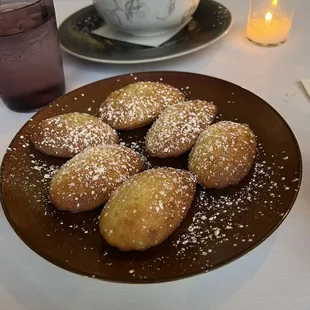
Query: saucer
x=211, y=22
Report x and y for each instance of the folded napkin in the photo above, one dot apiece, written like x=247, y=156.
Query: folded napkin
x=110, y=32
x=306, y=83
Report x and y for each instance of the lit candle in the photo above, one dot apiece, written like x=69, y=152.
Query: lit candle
x=269, y=25
x=268, y=18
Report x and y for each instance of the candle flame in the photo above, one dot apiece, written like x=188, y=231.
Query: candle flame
x=274, y=2
x=268, y=17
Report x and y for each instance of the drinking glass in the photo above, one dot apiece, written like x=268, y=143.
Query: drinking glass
x=31, y=70
x=270, y=21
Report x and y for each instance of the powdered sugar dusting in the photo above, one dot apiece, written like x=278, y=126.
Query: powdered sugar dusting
x=69, y=134
x=177, y=128
x=138, y=145
x=87, y=180
x=223, y=154
x=147, y=208
x=138, y=104
x=33, y=182
x=217, y=215
x=218, y=219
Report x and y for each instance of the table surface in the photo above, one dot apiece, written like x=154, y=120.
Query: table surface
x=276, y=275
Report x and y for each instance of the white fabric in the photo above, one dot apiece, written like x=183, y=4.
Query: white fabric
x=275, y=276
x=109, y=32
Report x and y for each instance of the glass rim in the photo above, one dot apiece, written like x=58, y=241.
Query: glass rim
x=20, y=9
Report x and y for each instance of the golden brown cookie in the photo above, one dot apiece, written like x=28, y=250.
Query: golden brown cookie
x=68, y=134
x=223, y=154
x=178, y=127
x=87, y=180
x=138, y=104
x=147, y=208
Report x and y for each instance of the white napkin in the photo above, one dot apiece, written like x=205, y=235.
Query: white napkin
x=306, y=83
x=109, y=32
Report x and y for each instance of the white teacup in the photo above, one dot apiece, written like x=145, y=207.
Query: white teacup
x=146, y=17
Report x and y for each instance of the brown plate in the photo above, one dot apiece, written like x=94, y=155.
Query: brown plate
x=221, y=225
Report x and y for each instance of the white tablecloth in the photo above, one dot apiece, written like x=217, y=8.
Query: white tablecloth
x=276, y=275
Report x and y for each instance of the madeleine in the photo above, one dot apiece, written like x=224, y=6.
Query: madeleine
x=146, y=209
x=223, y=154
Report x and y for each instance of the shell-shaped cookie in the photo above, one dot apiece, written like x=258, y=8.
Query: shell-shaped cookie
x=87, y=180
x=223, y=154
x=69, y=134
x=138, y=104
x=147, y=208
x=178, y=127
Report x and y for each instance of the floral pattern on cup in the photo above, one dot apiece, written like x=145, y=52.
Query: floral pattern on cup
x=145, y=16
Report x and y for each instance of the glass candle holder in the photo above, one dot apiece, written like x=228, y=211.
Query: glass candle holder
x=270, y=21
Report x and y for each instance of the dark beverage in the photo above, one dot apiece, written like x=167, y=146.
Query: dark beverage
x=31, y=71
